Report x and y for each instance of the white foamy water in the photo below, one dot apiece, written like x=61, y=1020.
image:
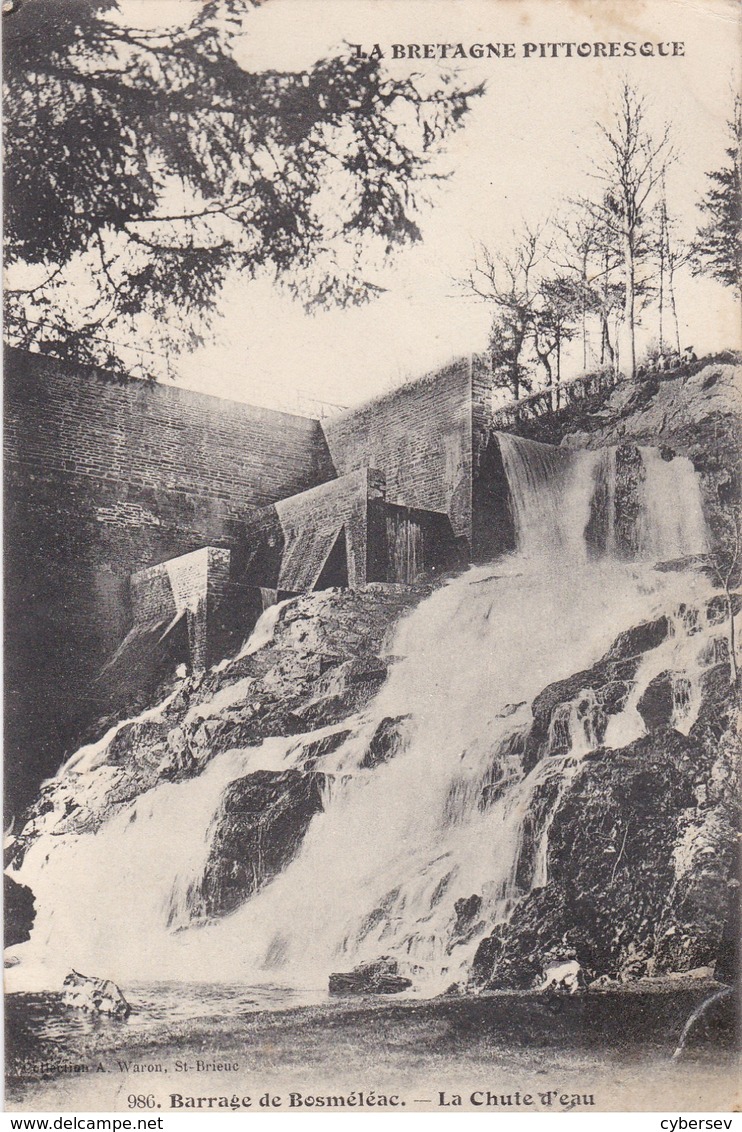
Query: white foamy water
x=451, y=815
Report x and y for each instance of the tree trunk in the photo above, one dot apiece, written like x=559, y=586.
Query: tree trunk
x=605, y=338
x=733, y=669
x=665, y=263
x=673, y=308
x=584, y=313
x=606, y=349
x=662, y=291
x=630, y=301
x=558, y=369
x=544, y=359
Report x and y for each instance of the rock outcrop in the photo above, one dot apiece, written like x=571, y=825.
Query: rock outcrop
x=19, y=911
x=258, y=829
x=641, y=858
x=321, y=666
x=380, y=977
x=97, y=996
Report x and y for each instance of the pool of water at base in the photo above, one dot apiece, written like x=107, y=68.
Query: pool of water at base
x=39, y=1025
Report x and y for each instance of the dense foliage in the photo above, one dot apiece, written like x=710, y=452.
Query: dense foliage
x=145, y=165
x=718, y=246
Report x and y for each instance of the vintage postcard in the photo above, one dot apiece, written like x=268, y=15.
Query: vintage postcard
x=373, y=575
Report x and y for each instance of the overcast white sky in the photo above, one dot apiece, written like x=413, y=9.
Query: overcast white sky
x=526, y=146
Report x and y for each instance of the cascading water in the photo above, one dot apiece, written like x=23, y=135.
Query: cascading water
x=453, y=814
x=556, y=495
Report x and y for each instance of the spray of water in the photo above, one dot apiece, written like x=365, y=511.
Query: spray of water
x=451, y=815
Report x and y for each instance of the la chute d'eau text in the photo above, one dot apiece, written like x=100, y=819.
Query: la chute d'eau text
x=550, y=50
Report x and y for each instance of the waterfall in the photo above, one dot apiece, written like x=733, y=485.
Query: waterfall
x=551, y=490
x=651, y=510
x=672, y=523
x=453, y=814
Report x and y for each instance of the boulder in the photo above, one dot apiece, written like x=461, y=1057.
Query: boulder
x=19, y=911
x=98, y=996
x=308, y=752
x=467, y=911
x=564, y=976
x=258, y=829
x=656, y=703
x=639, y=639
x=379, y=977
x=387, y=740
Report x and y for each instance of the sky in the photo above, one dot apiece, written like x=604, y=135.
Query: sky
x=525, y=149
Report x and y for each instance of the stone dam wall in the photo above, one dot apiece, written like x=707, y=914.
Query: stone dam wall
x=106, y=478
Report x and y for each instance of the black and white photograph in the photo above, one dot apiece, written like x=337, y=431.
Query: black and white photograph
x=372, y=395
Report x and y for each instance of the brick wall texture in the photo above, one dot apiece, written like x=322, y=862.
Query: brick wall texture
x=420, y=437
x=105, y=478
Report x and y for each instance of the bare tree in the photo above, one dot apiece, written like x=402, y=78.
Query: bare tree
x=631, y=168
x=574, y=254
x=671, y=253
x=587, y=252
x=510, y=284
x=559, y=308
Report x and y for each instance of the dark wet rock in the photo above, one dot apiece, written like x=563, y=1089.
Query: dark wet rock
x=380, y=977
x=656, y=702
x=257, y=831
x=610, y=681
x=639, y=639
x=361, y=672
x=717, y=609
x=616, y=507
x=137, y=737
x=638, y=868
x=466, y=909
x=178, y=760
x=389, y=738
x=97, y=996
x=322, y=665
x=20, y=913
x=628, y=499
x=717, y=715
x=715, y=651
x=506, y=761
x=339, y=692
x=510, y=709
x=467, y=923
x=379, y=915
x=310, y=751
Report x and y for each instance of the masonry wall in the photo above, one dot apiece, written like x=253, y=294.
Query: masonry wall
x=420, y=437
x=492, y=523
x=104, y=478
x=188, y=460
x=322, y=511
